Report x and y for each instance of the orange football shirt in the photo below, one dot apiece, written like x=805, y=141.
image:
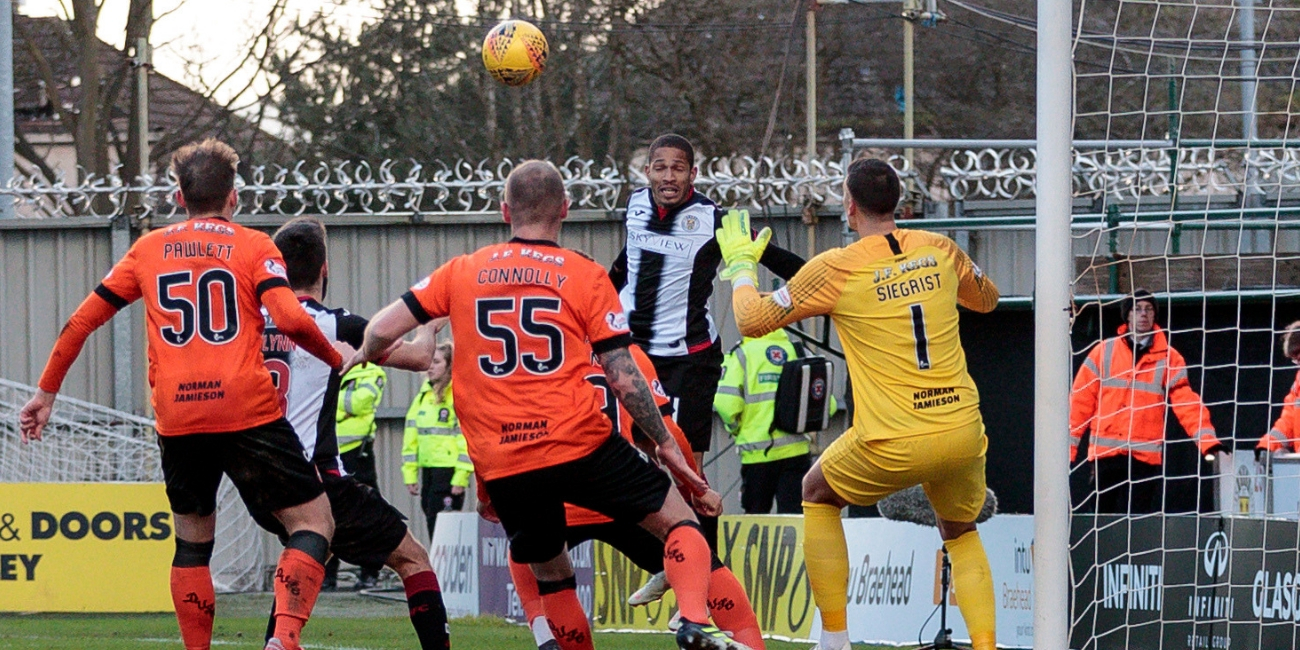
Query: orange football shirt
x=526, y=317
x=576, y=516
x=201, y=281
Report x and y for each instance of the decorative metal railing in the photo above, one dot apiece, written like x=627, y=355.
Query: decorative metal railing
x=1124, y=173
x=394, y=188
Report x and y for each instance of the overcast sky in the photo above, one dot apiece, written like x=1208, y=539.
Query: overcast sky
x=206, y=31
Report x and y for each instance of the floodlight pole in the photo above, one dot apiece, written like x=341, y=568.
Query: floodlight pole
x=810, y=84
x=6, y=104
x=1249, y=131
x=1052, y=305
x=909, y=78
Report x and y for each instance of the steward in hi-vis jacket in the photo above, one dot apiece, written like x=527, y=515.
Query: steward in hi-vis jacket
x=773, y=462
x=1120, y=397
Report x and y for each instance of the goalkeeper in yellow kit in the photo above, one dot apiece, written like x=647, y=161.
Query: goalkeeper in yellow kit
x=893, y=296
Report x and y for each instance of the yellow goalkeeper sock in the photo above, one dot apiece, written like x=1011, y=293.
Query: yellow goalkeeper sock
x=826, y=555
x=972, y=583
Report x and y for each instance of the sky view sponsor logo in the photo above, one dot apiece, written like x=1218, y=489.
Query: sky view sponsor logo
x=659, y=243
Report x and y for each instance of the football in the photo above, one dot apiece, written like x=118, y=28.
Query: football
x=514, y=52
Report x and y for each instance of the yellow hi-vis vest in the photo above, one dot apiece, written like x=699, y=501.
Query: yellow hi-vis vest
x=359, y=393
x=746, y=399
x=433, y=438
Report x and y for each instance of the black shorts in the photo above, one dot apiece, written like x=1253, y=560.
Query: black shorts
x=266, y=463
x=645, y=550
x=616, y=480
x=692, y=381
x=367, y=529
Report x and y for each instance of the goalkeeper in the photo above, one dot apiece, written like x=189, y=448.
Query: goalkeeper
x=893, y=296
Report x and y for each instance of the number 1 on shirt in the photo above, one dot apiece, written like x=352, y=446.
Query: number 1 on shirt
x=922, y=343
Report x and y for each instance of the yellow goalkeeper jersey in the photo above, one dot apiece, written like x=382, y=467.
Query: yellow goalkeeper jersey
x=894, y=301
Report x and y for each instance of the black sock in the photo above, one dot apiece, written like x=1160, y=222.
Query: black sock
x=428, y=614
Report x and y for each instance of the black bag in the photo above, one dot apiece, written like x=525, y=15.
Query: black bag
x=803, y=395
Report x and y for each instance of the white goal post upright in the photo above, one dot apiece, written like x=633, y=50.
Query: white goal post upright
x=1052, y=302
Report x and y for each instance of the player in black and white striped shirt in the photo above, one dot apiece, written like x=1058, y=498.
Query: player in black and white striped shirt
x=367, y=529
x=665, y=276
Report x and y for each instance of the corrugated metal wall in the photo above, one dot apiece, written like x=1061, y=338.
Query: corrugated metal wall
x=49, y=267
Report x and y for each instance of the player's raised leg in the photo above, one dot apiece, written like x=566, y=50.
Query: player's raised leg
x=972, y=581
x=557, y=587
x=957, y=495
x=687, y=560
x=729, y=606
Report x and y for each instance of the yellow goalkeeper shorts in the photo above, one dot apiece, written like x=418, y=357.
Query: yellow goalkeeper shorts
x=949, y=465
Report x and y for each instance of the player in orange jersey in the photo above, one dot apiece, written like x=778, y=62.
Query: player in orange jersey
x=204, y=282
x=729, y=606
x=526, y=316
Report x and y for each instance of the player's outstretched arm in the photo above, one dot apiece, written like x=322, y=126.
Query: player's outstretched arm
x=630, y=387
x=291, y=319
x=813, y=291
x=93, y=312
x=785, y=264
x=385, y=329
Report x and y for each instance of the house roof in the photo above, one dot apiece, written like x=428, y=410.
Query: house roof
x=177, y=113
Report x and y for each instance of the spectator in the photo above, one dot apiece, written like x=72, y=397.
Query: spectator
x=1120, y=397
x=772, y=462
x=1285, y=434
x=435, y=462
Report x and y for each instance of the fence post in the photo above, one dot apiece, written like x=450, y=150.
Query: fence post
x=122, y=333
x=846, y=158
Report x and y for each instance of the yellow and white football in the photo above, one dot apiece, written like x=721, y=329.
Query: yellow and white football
x=514, y=52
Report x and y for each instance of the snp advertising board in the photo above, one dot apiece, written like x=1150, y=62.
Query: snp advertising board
x=1185, y=582
x=893, y=580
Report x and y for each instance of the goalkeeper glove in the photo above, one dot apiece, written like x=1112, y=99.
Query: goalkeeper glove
x=740, y=252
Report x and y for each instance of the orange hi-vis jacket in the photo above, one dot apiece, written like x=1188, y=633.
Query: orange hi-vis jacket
x=1285, y=434
x=1123, y=405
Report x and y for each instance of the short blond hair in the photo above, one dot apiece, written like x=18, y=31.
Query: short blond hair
x=205, y=172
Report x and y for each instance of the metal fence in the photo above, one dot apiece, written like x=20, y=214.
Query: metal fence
x=396, y=188
x=1005, y=171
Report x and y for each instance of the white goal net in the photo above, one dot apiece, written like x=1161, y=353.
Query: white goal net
x=88, y=443
x=1187, y=186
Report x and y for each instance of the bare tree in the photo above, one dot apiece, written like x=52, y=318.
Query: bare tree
x=70, y=61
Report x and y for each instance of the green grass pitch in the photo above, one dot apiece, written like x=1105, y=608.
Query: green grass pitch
x=342, y=621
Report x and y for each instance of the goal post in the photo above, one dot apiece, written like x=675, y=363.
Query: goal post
x=1052, y=307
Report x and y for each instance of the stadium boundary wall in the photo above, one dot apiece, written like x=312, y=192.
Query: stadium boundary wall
x=47, y=266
